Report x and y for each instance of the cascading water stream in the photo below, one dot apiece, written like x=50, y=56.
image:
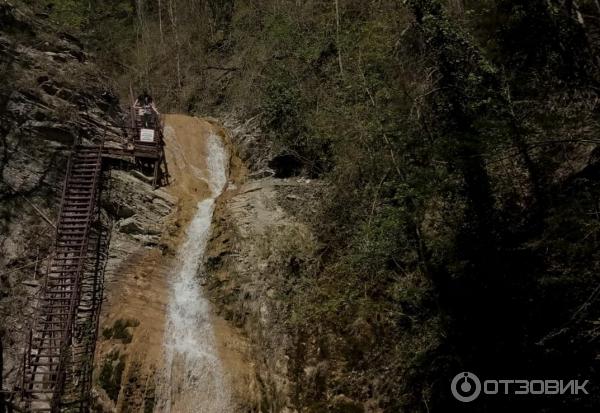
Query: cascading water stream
x=194, y=381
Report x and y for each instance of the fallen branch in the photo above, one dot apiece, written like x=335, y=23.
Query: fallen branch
x=227, y=69
x=33, y=206
x=24, y=266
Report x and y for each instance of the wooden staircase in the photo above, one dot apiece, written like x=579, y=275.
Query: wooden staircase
x=58, y=362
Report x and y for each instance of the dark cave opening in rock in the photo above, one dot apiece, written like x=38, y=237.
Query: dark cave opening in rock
x=286, y=165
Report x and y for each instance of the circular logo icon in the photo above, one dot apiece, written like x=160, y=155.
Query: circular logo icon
x=465, y=387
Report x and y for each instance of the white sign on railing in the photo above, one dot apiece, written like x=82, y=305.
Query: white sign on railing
x=147, y=135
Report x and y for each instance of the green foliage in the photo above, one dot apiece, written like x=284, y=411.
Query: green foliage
x=120, y=330
x=540, y=37
x=282, y=106
x=111, y=374
x=70, y=15
x=150, y=401
x=456, y=217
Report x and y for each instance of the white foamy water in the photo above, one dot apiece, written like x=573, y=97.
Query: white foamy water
x=194, y=381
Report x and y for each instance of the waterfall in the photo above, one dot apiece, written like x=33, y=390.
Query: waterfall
x=194, y=381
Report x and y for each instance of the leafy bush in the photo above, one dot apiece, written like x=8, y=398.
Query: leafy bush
x=119, y=330
x=111, y=374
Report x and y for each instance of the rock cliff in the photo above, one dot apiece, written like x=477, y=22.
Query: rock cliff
x=260, y=241
x=51, y=96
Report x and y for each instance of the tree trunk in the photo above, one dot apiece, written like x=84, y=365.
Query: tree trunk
x=337, y=35
x=177, y=46
x=160, y=26
x=535, y=175
x=2, y=407
x=458, y=7
x=139, y=7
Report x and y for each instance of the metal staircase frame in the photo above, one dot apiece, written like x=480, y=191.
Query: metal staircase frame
x=57, y=365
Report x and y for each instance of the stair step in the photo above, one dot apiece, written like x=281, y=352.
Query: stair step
x=69, y=248
x=82, y=179
x=79, y=187
x=54, y=306
x=79, y=192
x=68, y=271
x=62, y=261
x=58, y=295
x=49, y=286
x=85, y=153
x=91, y=162
x=58, y=286
x=75, y=197
x=75, y=222
x=87, y=163
x=85, y=189
x=55, y=315
x=59, y=292
x=69, y=258
x=78, y=204
x=41, y=363
x=42, y=391
x=43, y=382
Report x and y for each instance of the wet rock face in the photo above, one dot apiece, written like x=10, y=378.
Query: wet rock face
x=256, y=249
x=50, y=94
